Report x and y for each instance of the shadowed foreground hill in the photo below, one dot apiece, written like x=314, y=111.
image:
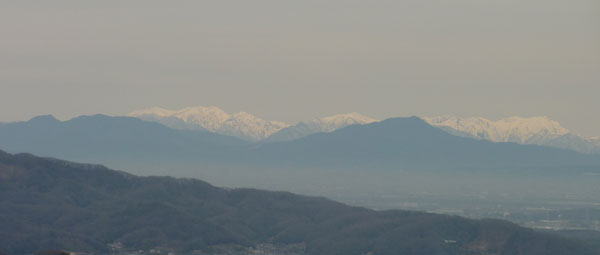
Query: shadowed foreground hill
x=52, y=204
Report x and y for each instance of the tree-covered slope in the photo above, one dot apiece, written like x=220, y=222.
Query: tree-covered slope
x=53, y=204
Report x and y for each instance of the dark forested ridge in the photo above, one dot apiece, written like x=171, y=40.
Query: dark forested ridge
x=52, y=204
x=590, y=237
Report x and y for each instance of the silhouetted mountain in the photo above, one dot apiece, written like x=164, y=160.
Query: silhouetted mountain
x=48, y=204
x=411, y=143
x=101, y=138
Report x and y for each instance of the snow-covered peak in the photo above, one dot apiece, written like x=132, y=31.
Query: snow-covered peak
x=320, y=125
x=249, y=119
x=513, y=129
x=244, y=116
x=210, y=118
x=243, y=125
x=332, y=123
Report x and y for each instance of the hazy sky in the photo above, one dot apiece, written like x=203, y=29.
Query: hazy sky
x=294, y=60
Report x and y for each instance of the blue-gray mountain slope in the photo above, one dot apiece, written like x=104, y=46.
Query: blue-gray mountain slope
x=102, y=139
x=411, y=143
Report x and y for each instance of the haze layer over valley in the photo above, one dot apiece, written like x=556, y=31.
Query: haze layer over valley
x=92, y=209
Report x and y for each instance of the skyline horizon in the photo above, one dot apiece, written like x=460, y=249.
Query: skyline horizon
x=298, y=121
x=391, y=58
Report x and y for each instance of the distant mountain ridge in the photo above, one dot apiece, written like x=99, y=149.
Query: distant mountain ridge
x=534, y=130
x=392, y=144
x=101, y=138
x=244, y=125
x=412, y=143
x=49, y=204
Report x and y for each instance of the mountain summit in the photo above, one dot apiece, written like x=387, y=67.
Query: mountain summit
x=242, y=125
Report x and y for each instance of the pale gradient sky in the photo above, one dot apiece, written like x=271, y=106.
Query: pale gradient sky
x=294, y=60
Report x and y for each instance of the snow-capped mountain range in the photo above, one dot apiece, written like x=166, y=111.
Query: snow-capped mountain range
x=513, y=129
x=534, y=130
x=244, y=125
x=213, y=119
